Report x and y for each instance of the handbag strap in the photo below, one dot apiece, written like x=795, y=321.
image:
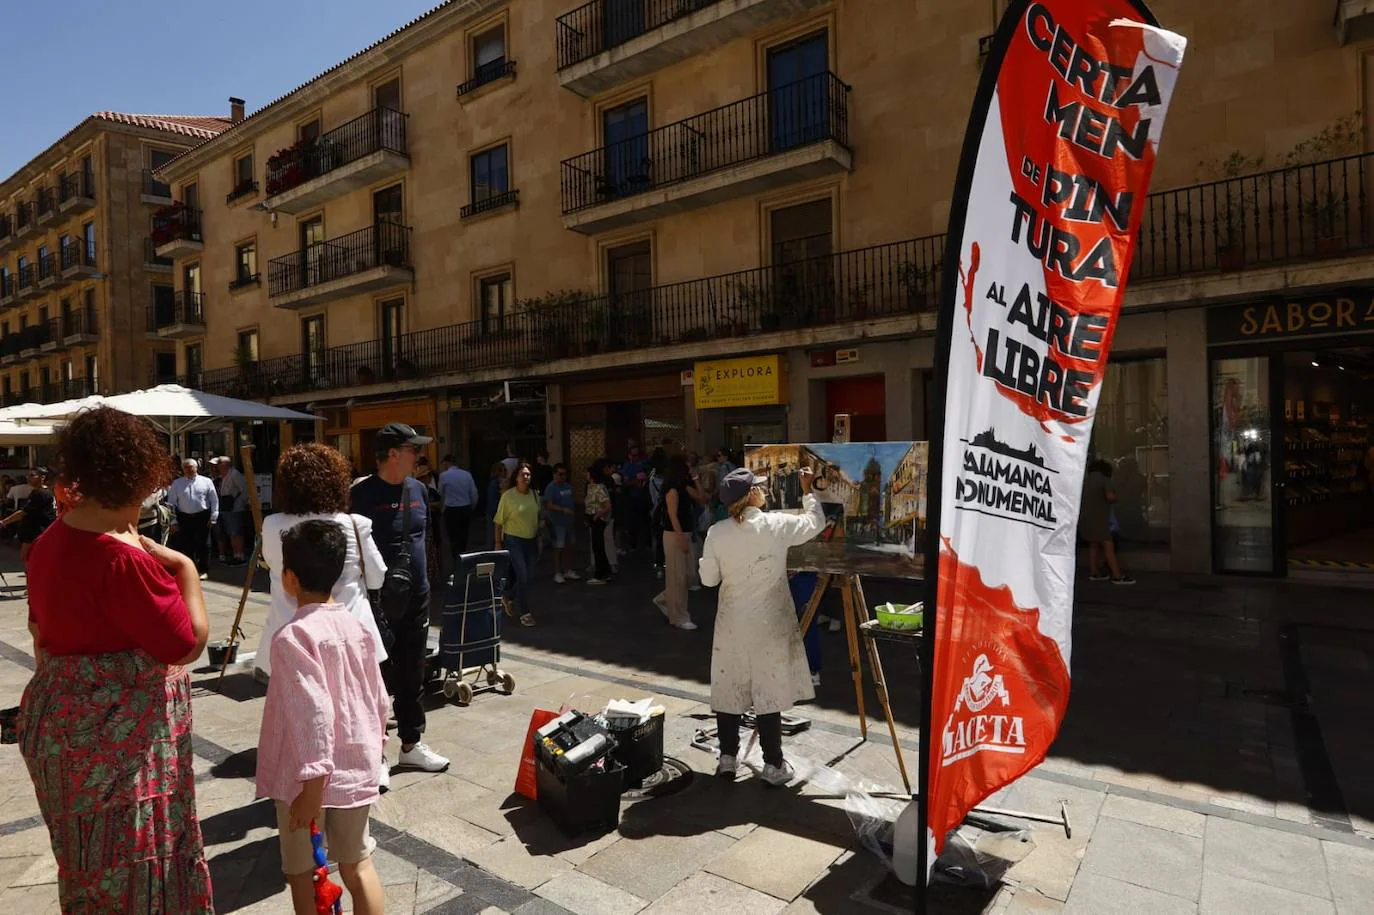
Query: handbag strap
x=362, y=555
x=405, y=516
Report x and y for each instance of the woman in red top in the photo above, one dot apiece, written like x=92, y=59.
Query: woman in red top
x=105, y=723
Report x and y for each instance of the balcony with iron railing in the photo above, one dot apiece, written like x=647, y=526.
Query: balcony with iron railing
x=176, y=231
x=372, y=258
x=490, y=203
x=49, y=271
x=76, y=192
x=26, y=281
x=155, y=190
x=606, y=43
x=77, y=327
x=241, y=190
x=362, y=152
x=884, y=281
x=6, y=231
x=154, y=261
x=9, y=289
x=68, y=389
x=10, y=345
x=78, y=259
x=45, y=206
x=487, y=74
x=24, y=224
x=33, y=338
x=791, y=133
x=181, y=314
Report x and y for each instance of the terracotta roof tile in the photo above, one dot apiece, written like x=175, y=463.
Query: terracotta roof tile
x=188, y=125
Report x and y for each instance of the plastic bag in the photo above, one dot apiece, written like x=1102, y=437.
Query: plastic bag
x=978, y=856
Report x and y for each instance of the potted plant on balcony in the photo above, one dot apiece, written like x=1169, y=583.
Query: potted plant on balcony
x=917, y=281
x=287, y=168
x=365, y=375
x=1326, y=204
x=555, y=320
x=168, y=223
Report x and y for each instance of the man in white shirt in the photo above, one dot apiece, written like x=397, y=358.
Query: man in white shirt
x=459, y=493
x=233, y=503
x=196, y=503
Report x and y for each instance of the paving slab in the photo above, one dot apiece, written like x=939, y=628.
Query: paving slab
x=1351, y=873
x=513, y=861
x=774, y=862
x=1225, y=895
x=1160, y=816
x=709, y=893
x=584, y=895
x=1094, y=894
x=650, y=868
x=1268, y=856
x=1146, y=856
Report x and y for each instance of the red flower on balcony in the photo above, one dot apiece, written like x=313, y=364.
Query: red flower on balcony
x=287, y=168
x=169, y=223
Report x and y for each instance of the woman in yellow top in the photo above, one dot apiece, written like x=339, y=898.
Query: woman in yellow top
x=516, y=529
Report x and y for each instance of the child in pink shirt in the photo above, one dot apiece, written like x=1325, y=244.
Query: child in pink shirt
x=324, y=723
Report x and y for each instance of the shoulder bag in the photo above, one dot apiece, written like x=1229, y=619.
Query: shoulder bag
x=383, y=625
x=399, y=585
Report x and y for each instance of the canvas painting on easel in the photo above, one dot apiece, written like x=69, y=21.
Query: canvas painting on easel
x=873, y=495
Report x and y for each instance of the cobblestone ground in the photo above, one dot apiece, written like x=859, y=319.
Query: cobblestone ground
x=1215, y=759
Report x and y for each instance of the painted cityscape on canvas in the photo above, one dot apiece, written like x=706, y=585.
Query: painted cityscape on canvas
x=873, y=495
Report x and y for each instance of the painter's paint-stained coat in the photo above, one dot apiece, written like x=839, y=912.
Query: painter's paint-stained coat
x=757, y=658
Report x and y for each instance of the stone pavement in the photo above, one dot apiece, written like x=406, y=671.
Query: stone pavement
x=1215, y=758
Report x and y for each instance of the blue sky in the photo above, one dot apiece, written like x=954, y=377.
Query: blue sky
x=65, y=60
x=852, y=458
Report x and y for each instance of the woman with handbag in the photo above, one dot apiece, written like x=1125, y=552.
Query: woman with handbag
x=313, y=482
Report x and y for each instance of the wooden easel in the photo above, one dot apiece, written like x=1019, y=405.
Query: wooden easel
x=235, y=633
x=855, y=613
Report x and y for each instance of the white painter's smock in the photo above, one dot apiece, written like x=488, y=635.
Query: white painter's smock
x=757, y=658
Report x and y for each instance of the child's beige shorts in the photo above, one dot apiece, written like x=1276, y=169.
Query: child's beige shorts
x=346, y=838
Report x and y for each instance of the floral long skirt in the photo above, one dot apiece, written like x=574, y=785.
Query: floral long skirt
x=107, y=740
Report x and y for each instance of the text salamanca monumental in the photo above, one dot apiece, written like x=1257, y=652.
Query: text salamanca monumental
x=989, y=441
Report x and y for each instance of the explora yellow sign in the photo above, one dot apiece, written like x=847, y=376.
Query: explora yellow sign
x=753, y=381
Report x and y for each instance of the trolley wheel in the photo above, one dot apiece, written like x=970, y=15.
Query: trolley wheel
x=450, y=688
x=464, y=692
x=493, y=676
x=507, y=684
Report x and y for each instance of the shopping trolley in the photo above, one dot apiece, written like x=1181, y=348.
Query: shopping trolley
x=470, y=634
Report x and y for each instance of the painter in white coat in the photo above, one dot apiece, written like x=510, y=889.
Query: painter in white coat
x=757, y=660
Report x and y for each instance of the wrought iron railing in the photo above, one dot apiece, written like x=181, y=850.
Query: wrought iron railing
x=487, y=73
x=81, y=322
x=47, y=266
x=176, y=222
x=151, y=257
x=604, y=24
x=11, y=344
x=7, y=285
x=895, y=279
x=23, y=216
x=382, y=245
x=45, y=202
x=70, y=389
x=377, y=130
x=493, y=202
x=152, y=187
x=79, y=183
x=34, y=336
x=182, y=307
x=78, y=253
x=242, y=190
x=27, y=277
x=243, y=280
x=1300, y=212
x=6, y=227
x=798, y=114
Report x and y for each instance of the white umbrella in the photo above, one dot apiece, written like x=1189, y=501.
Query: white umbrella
x=12, y=433
x=176, y=410
x=62, y=408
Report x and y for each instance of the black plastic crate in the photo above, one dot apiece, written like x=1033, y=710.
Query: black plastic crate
x=584, y=802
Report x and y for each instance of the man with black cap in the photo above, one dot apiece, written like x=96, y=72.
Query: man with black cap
x=398, y=503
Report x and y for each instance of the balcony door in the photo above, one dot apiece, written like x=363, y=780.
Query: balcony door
x=621, y=21
x=625, y=135
x=803, y=273
x=195, y=364
x=313, y=349
x=190, y=195
x=312, y=252
x=164, y=306
x=798, y=93
x=630, y=277
x=388, y=215
x=391, y=317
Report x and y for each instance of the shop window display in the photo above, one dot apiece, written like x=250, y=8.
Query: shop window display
x=1131, y=432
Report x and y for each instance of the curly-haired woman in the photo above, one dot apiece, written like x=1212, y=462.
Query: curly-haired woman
x=105, y=723
x=314, y=482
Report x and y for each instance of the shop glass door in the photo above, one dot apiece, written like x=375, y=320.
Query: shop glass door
x=1244, y=455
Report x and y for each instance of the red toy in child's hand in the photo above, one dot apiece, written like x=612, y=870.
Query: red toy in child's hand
x=328, y=895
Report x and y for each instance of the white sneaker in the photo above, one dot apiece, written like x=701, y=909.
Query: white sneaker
x=688, y=625
x=423, y=758
x=596, y=581
x=661, y=602
x=836, y=625
x=558, y=577
x=572, y=576
x=204, y=577
x=384, y=778
x=777, y=776
x=728, y=767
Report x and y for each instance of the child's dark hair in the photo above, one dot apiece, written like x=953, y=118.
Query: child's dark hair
x=315, y=551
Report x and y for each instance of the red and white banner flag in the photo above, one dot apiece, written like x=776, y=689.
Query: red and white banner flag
x=1057, y=162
